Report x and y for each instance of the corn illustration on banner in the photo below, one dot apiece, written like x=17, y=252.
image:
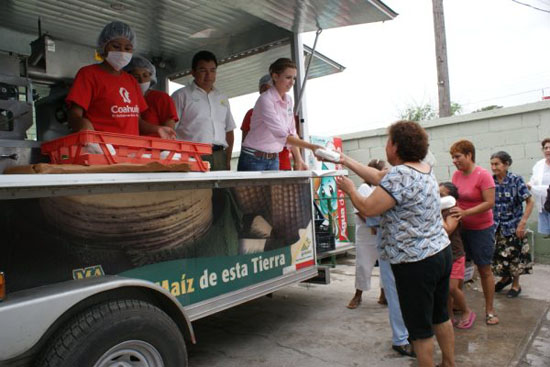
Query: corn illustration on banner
x=196, y=243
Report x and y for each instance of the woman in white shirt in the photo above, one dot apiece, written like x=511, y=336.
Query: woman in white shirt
x=538, y=184
x=366, y=252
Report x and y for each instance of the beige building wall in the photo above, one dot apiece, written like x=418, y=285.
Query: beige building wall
x=516, y=130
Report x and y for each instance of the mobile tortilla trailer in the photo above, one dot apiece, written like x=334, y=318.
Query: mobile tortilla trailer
x=110, y=269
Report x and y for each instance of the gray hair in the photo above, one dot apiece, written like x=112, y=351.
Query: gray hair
x=503, y=156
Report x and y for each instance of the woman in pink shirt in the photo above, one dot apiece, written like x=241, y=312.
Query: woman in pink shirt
x=476, y=190
x=272, y=126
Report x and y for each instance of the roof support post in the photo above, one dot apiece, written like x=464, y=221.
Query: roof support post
x=297, y=49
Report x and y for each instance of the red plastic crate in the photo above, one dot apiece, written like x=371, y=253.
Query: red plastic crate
x=70, y=149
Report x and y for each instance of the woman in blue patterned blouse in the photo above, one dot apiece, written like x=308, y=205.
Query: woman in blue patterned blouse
x=413, y=238
x=512, y=257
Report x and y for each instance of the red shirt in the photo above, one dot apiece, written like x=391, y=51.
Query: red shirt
x=161, y=108
x=284, y=155
x=246, y=121
x=112, y=103
x=470, y=188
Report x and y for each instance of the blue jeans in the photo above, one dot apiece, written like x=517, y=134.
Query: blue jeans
x=249, y=162
x=400, y=333
x=544, y=222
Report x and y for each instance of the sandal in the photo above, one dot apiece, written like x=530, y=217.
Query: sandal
x=491, y=319
x=500, y=285
x=513, y=293
x=468, y=323
x=354, y=303
x=404, y=350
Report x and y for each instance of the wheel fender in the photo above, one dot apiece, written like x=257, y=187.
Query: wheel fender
x=28, y=317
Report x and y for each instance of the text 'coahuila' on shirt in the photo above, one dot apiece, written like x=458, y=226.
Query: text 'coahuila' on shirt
x=111, y=102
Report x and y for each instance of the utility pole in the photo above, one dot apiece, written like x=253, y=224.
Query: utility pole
x=441, y=60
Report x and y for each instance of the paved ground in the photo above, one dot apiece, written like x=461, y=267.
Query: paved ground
x=309, y=325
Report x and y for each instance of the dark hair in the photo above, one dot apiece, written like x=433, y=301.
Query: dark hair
x=203, y=56
x=464, y=147
x=453, y=190
x=377, y=163
x=544, y=142
x=503, y=156
x=280, y=65
x=411, y=140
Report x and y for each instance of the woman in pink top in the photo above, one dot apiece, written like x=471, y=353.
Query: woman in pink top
x=272, y=126
x=476, y=190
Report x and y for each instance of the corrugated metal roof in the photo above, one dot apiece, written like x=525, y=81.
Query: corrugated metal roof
x=168, y=28
x=169, y=32
x=239, y=77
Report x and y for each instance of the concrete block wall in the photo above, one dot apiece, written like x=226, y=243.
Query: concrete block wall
x=516, y=130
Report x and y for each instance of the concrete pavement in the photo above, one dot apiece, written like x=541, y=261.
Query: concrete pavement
x=309, y=325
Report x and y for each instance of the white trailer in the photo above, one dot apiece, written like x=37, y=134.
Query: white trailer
x=111, y=269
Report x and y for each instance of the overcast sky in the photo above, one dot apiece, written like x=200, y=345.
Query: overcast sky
x=498, y=53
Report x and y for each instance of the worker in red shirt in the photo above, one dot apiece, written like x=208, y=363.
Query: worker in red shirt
x=162, y=110
x=284, y=156
x=105, y=98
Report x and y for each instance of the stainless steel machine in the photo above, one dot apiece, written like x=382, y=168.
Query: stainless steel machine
x=28, y=117
x=16, y=115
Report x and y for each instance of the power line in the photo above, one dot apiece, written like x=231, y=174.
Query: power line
x=506, y=96
x=531, y=6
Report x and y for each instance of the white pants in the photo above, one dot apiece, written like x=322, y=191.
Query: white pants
x=366, y=255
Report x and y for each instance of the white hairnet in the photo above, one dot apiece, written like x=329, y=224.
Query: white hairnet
x=113, y=31
x=142, y=62
x=266, y=79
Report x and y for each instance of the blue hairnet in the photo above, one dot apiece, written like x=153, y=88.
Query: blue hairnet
x=142, y=62
x=266, y=79
x=113, y=31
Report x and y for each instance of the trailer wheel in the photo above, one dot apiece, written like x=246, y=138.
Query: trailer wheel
x=122, y=333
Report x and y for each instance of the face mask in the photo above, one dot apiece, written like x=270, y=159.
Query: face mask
x=118, y=59
x=144, y=87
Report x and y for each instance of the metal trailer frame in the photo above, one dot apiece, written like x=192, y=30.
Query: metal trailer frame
x=33, y=315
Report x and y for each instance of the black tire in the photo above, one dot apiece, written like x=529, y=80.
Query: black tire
x=136, y=328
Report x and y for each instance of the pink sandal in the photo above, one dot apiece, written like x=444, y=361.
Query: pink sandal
x=467, y=324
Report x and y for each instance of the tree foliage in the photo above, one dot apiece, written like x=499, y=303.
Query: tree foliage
x=488, y=108
x=426, y=112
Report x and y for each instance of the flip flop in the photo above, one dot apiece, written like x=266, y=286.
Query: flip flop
x=490, y=319
x=467, y=324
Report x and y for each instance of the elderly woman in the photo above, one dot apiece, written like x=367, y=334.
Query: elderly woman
x=413, y=238
x=538, y=184
x=162, y=110
x=476, y=190
x=273, y=125
x=105, y=98
x=511, y=258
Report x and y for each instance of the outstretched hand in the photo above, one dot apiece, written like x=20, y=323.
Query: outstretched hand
x=345, y=184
